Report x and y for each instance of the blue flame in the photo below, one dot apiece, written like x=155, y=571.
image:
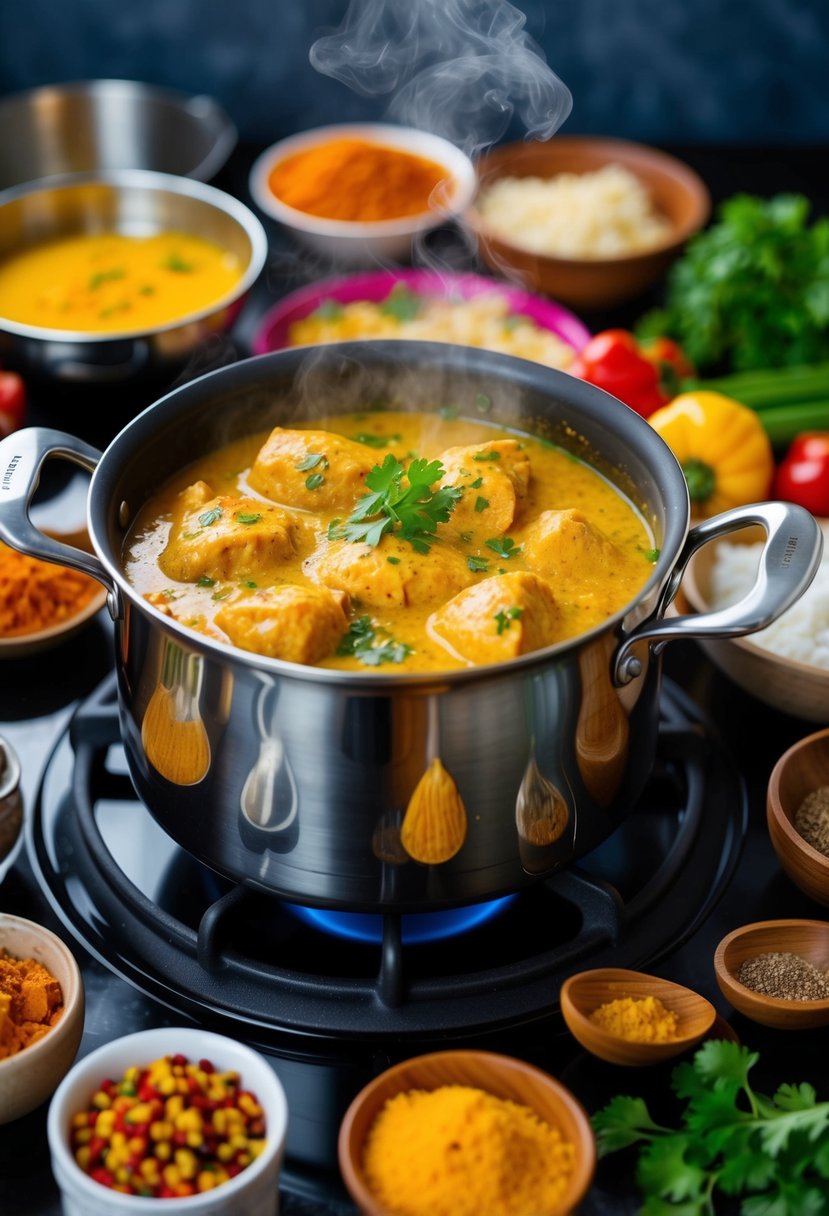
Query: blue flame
x=416, y=926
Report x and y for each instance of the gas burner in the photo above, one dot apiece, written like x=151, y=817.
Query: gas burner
x=245, y=962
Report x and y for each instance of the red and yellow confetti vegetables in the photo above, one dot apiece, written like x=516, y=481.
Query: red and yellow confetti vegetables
x=168, y=1130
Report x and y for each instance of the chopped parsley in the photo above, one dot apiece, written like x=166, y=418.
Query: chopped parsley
x=476, y=484
x=481, y=504
x=206, y=581
x=248, y=582
x=314, y=481
x=246, y=517
x=393, y=561
x=505, y=617
x=411, y=511
x=177, y=265
x=365, y=643
x=504, y=546
x=401, y=303
x=376, y=441
x=210, y=517
x=481, y=456
x=311, y=461
x=100, y=277
x=652, y=555
x=334, y=532
x=477, y=564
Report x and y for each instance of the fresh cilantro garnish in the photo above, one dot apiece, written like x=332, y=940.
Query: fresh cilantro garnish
x=476, y=484
x=504, y=546
x=483, y=403
x=652, y=555
x=329, y=310
x=481, y=504
x=314, y=481
x=248, y=517
x=477, y=564
x=206, y=581
x=333, y=532
x=411, y=511
x=210, y=517
x=105, y=276
x=248, y=582
x=376, y=441
x=732, y=1142
x=505, y=617
x=311, y=461
x=492, y=455
x=393, y=561
x=401, y=303
x=177, y=265
x=448, y=412
x=365, y=643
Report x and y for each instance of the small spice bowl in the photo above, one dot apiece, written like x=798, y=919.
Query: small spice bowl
x=807, y=938
x=253, y=1192
x=31, y=1075
x=362, y=243
x=501, y=1076
x=586, y=991
x=800, y=771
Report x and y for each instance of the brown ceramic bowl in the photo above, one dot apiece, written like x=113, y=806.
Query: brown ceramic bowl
x=799, y=771
x=676, y=191
x=500, y=1075
x=808, y=938
x=587, y=990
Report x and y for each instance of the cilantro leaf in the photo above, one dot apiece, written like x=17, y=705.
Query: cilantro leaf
x=311, y=461
x=621, y=1123
x=481, y=504
x=376, y=441
x=210, y=517
x=504, y=546
x=248, y=517
x=664, y=1170
x=411, y=511
x=363, y=642
x=477, y=564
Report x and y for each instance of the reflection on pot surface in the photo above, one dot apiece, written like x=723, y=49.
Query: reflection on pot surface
x=173, y=733
x=602, y=729
x=434, y=826
x=269, y=799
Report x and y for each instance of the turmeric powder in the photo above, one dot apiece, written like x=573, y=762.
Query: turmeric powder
x=637, y=1019
x=356, y=180
x=36, y=595
x=458, y=1151
x=31, y=1003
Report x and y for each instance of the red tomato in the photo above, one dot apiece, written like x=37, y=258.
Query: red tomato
x=803, y=476
x=12, y=402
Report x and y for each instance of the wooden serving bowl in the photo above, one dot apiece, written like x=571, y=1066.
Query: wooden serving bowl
x=808, y=938
x=799, y=771
x=587, y=990
x=677, y=192
x=500, y=1075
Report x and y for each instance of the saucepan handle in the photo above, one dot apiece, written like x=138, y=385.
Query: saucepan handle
x=789, y=561
x=22, y=456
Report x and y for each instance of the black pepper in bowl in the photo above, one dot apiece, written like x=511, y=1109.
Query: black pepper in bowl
x=785, y=976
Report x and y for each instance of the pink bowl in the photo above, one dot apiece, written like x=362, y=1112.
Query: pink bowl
x=374, y=287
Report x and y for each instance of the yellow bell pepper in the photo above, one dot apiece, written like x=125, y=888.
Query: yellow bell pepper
x=724, y=452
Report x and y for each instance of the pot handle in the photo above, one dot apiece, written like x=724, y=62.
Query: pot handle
x=788, y=563
x=22, y=456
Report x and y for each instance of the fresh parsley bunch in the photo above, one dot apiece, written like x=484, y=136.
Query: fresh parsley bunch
x=752, y=291
x=413, y=511
x=771, y=1152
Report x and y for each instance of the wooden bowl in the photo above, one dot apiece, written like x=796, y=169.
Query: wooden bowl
x=808, y=938
x=677, y=192
x=587, y=990
x=799, y=689
x=799, y=771
x=502, y=1076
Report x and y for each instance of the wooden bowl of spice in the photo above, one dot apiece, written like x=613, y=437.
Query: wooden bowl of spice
x=43, y=604
x=359, y=192
x=629, y=1018
x=41, y=1014
x=467, y=1132
x=776, y=972
x=797, y=813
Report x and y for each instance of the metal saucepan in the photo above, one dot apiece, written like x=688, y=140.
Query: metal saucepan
x=135, y=202
x=544, y=754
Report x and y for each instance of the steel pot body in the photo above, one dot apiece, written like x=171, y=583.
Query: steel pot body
x=298, y=780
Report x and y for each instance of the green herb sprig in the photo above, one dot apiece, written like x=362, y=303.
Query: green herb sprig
x=773, y=1153
x=366, y=643
x=411, y=511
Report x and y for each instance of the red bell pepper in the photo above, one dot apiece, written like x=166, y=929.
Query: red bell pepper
x=614, y=361
x=671, y=362
x=12, y=402
x=803, y=475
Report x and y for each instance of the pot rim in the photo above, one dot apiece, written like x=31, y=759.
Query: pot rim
x=521, y=373
x=158, y=183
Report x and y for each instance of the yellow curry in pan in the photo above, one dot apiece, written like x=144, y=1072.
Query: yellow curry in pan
x=389, y=542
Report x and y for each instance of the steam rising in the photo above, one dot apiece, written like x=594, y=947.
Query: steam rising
x=458, y=68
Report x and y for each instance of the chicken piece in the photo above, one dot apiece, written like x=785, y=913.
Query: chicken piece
x=565, y=547
x=497, y=473
x=315, y=470
x=225, y=536
x=499, y=618
x=368, y=575
x=298, y=624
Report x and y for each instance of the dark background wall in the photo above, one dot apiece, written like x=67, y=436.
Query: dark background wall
x=679, y=71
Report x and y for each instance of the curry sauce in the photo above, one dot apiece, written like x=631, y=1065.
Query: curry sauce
x=342, y=544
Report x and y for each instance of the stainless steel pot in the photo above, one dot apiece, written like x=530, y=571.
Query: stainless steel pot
x=131, y=201
x=298, y=779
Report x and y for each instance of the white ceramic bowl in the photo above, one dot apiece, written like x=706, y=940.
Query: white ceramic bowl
x=253, y=1192
x=31, y=1075
x=355, y=243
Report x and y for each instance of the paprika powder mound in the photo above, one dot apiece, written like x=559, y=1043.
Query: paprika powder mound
x=31, y=1003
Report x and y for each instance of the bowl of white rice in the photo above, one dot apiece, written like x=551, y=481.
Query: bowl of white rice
x=787, y=664
x=590, y=221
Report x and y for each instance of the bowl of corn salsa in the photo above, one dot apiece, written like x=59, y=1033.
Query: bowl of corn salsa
x=175, y=1114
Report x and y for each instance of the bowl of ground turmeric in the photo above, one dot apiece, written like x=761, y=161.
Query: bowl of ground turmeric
x=361, y=192
x=466, y=1133
x=41, y=1014
x=629, y=1018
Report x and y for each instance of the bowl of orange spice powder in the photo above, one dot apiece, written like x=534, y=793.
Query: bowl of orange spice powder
x=362, y=192
x=41, y=1014
x=466, y=1133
